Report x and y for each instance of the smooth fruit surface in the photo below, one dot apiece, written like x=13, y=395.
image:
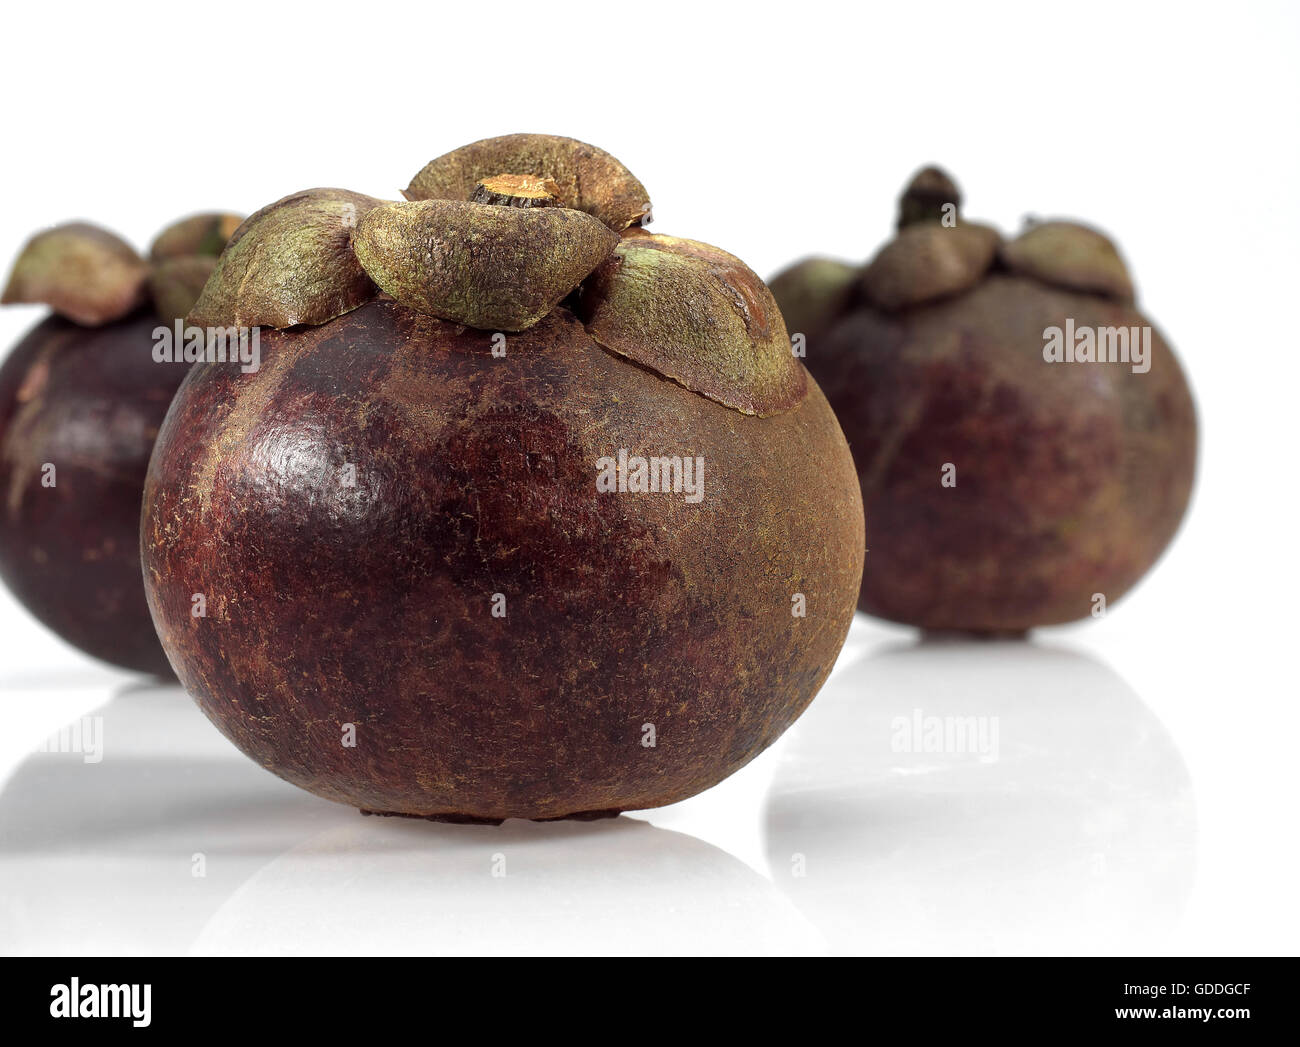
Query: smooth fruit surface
x=1070, y=478
x=79, y=410
x=352, y=513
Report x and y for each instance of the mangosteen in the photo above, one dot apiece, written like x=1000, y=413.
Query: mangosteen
x=1024, y=437
x=81, y=398
x=528, y=512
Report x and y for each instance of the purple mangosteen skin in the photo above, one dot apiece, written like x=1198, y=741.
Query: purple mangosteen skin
x=1071, y=478
x=89, y=402
x=328, y=602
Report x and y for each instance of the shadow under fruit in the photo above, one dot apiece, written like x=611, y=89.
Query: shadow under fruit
x=81, y=400
x=418, y=598
x=1003, y=490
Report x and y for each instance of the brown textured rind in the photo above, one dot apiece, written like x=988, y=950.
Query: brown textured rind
x=329, y=604
x=927, y=198
x=1071, y=477
x=587, y=178
x=928, y=261
x=201, y=234
x=176, y=283
x=83, y=272
x=698, y=315
x=492, y=267
x=813, y=293
x=290, y=263
x=89, y=401
x=1069, y=255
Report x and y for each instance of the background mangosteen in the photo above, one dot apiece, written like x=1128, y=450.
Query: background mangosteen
x=81, y=399
x=1003, y=489
x=441, y=556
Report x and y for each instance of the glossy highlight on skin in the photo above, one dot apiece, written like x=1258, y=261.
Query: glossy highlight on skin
x=370, y=604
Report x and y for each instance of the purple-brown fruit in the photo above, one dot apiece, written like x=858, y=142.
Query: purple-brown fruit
x=1003, y=488
x=415, y=598
x=80, y=406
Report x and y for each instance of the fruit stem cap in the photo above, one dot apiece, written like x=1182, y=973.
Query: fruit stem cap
x=927, y=197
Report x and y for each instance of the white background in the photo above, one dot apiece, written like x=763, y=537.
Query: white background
x=1145, y=799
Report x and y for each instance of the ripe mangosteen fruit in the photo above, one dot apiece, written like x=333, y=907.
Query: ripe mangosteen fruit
x=1024, y=438
x=528, y=512
x=81, y=400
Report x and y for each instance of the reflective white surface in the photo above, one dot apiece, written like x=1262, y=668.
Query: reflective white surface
x=174, y=842
x=983, y=797
x=1051, y=812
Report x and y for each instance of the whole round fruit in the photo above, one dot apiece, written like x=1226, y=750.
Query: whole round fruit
x=464, y=552
x=81, y=400
x=1025, y=440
